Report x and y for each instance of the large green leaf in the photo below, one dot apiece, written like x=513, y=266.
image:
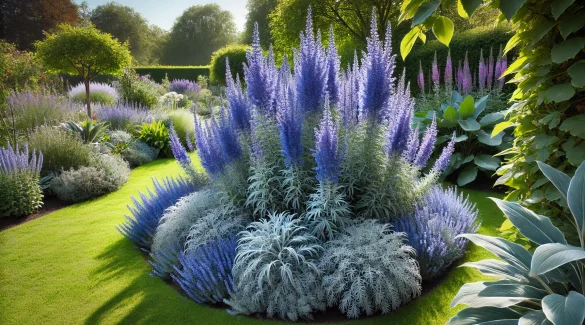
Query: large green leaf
x=499, y=294
x=487, y=162
x=567, y=50
x=512, y=253
x=470, y=6
x=541, y=26
x=467, y=175
x=549, y=257
x=408, y=41
x=538, y=229
x=509, y=7
x=577, y=73
x=559, y=179
x=469, y=125
x=572, y=23
x=576, y=197
x=560, y=310
x=576, y=155
x=501, y=127
x=480, y=105
x=491, y=118
x=425, y=11
x=486, y=138
x=535, y=317
x=485, y=315
x=559, y=7
x=443, y=29
x=560, y=93
x=450, y=114
x=574, y=125
x=467, y=107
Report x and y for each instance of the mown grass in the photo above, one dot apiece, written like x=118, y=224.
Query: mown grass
x=73, y=267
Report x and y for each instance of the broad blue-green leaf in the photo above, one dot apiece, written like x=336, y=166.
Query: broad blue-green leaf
x=548, y=257
x=424, y=11
x=510, y=252
x=460, y=138
x=559, y=6
x=559, y=179
x=456, y=97
x=484, y=316
x=572, y=23
x=443, y=29
x=560, y=93
x=480, y=106
x=509, y=7
x=577, y=73
x=561, y=310
x=491, y=118
x=450, y=114
x=576, y=197
x=487, y=162
x=469, y=125
x=542, y=140
x=467, y=175
x=538, y=229
x=499, y=294
x=575, y=125
x=499, y=269
x=567, y=50
x=535, y=317
x=486, y=138
x=467, y=108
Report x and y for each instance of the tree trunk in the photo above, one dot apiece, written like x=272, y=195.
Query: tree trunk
x=86, y=81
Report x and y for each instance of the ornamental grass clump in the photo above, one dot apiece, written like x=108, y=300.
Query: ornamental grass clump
x=99, y=93
x=20, y=190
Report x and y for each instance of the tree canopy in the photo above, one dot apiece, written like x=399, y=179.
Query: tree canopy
x=197, y=33
x=258, y=12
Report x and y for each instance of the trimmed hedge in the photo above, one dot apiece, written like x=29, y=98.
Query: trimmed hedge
x=237, y=57
x=157, y=73
x=470, y=41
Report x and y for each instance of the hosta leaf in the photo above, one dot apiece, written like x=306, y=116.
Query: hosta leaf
x=577, y=73
x=461, y=138
x=561, y=310
x=491, y=118
x=424, y=11
x=571, y=23
x=509, y=7
x=467, y=107
x=559, y=179
x=501, y=127
x=443, y=29
x=450, y=114
x=469, y=125
x=487, y=162
x=500, y=269
x=576, y=197
x=548, y=257
x=538, y=229
x=486, y=138
x=499, y=294
x=480, y=106
x=484, y=316
x=559, y=7
x=560, y=93
x=535, y=317
x=574, y=125
x=567, y=50
x=510, y=252
x=467, y=175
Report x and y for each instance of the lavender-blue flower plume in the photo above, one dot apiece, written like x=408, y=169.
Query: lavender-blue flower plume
x=449, y=71
x=237, y=101
x=427, y=145
x=412, y=146
x=289, y=117
x=327, y=154
x=178, y=150
x=260, y=75
x=333, y=65
x=443, y=161
x=208, y=145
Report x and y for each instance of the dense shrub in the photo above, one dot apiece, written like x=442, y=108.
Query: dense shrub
x=183, y=86
x=148, y=210
x=105, y=174
x=138, y=90
x=135, y=152
x=20, y=190
x=275, y=270
x=61, y=149
x=236, y=54
x=124, y=117
x=206, y=274
x=432, y=229
x=369, y=270
x=99, y=93
x=156, y=135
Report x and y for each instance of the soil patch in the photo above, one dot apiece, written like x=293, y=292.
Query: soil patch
x=50, y=204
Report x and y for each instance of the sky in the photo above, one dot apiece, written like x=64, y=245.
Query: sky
x=164, y=12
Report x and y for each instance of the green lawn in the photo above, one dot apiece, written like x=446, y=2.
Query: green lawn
x=73, y=267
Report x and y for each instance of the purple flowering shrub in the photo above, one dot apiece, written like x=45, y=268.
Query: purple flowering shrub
x=123, y=117
x=183, y=86
x=433, y=228
x=100, y=93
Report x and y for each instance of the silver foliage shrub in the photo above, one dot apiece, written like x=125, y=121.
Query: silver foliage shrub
x=275, y=270
x=369, y=269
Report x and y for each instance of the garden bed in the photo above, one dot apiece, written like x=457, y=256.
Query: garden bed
x=50, y=204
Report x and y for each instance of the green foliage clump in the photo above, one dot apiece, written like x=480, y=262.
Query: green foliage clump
x=140, y=91
x=236, y=54
x=89, y=131
x=104, y=174
x=60, y=148
x=159, y=72
x=156, y=135
x=184, y=123
x=135, y=152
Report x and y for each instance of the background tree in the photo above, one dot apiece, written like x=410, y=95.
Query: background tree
x=83, y=51
x=197, y=33
x=24, y=22
x=126, y=25
x=259, y=11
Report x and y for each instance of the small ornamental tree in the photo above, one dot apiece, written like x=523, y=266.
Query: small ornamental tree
x=83, y=51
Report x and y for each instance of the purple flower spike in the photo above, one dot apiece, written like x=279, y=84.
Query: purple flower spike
x=178, y=150
x=290, y=121
x=412, y=147
x=482, y=74
x=310, y=64
x=443, y=161
x=449, y=71
x=260, y=74
x=467, y=82
x=333, y=64
x=503, y=68
x=399, y=119
x=13, y=161
x=208, y=146
x=326, y=153
x=237, y=101
x=490, y=72
x=435, y=72
x=421, y=78
x=427, y=145
x=349, y=97
x=459, y=77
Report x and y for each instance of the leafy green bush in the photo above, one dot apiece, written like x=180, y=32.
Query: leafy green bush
x=183, y=122
x=138, y=90
x=89, y=131
x=60, y=148
x=156, y=135
x=105, y=174
x=158, y=73
x=236, y=54
x=135, y=152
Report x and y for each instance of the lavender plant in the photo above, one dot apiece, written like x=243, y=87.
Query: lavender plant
x=432, y=229
x=260, y=74
x=125, y=117
x=20, y=190
x=183, y=86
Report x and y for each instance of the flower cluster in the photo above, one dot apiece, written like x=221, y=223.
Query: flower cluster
x=183, y=86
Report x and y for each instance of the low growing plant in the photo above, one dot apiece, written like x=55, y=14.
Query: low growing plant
x=99, y=93
x=156, y=135
x=88, y=130
x=125, y=117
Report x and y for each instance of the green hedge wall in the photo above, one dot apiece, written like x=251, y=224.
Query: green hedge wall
x=470, y=41
x=237, y=57
x=157, y=73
